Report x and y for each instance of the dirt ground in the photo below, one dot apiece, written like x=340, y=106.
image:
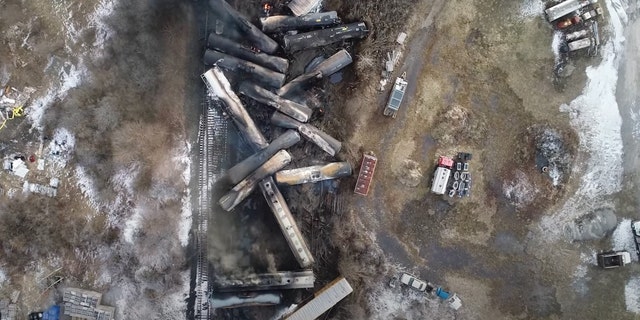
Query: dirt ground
x=480, y=59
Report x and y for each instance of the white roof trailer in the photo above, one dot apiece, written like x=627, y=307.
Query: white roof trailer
x=566, y=7
x=325, y=299
x=440, y=180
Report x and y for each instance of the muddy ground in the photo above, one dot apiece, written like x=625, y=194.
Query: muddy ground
x=481, y=81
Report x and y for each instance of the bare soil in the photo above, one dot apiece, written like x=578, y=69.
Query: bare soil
x=480, y=81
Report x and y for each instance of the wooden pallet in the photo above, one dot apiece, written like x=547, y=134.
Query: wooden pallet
x=367, y=168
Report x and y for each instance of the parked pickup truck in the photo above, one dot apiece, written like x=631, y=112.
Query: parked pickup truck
x=613, y=259
x=413, y=282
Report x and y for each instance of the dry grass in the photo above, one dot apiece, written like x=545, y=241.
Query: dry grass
x=129, y=111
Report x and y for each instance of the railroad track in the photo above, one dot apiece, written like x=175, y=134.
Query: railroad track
x=212, y=140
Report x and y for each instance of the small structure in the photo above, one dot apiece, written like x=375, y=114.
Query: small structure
x=395, y=99
x=85, y=304
x=19, y=168
x=325, y=299
x=367, y=168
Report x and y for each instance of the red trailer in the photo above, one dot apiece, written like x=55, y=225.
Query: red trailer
x=367, y=167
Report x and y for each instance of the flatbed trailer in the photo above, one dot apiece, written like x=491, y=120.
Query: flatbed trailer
x=367, y=168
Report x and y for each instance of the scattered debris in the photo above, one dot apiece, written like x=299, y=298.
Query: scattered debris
x=393, y=58
x=553, y=156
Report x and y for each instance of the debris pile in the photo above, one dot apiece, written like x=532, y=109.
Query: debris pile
x=553, y=156
x=461, y=184
x=393, y=58
x=575, y=23
x=244, y=59
x=12, y=103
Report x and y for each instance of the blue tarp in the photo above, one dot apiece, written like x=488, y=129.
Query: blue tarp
x=53, y=313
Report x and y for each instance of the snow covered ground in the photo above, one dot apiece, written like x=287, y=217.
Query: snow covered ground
x=595, y=116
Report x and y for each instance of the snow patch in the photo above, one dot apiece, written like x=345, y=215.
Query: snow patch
x=632, y=295
x=3, y=277
x=70, y=76
x=531, y=8
x=131, y=226
x=87, y=187
x=622, y=238
x=103, y=31
x=556, y=43
x=61, y=147
x=520, y=191
x=635, y=118
x=186, y=219
x=597, y=119
x=123, y=180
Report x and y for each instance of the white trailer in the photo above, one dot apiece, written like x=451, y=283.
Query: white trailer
x=580, y=44
x=566, y=7
x=325, y=299
x=440, y=180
